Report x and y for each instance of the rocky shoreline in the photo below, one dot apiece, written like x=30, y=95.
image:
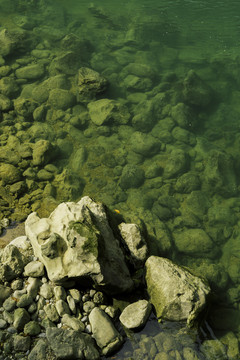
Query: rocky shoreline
x=58, y=285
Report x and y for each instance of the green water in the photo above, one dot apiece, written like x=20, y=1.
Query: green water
x=145, y=49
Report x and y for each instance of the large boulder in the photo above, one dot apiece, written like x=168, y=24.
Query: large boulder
x=175, y=293
x=76, y=241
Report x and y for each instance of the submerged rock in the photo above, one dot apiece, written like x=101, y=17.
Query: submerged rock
x=175, y=293
x=135, y=243
x=106, y=111
x=195, y=91
x=89, y=83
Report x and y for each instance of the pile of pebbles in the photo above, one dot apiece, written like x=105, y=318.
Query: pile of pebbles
x=32, y=303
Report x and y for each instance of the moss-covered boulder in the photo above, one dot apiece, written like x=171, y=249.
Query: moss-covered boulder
x=175, y=293
x=195, y=91
x=9, y=174
x=107, y=111
x=194, y=242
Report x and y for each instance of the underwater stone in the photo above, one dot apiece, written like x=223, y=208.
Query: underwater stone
x=89, y=83
x=42, y=152
x=195, y=91
x=219, y=175
x=9, y=41
x=5, y=292
x=181, y=113
x=104, y=111
x=187, y=183
x=132, y=177
x=135, y=83
x=5, y=103
x=9, y=87
x=25, y=107
x=21, y=318
x=183, y=135
x=176, y=164
x=194, y=242
x=30, y=72
x=144, y=144
x=9, y=174
x=67, y=63
x=61, y=99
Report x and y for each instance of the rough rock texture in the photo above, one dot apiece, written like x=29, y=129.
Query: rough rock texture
x=70, y=344
x=89, y=83
x=76, y=241
x=135, y=243
x=136, y=314
x=106, y=111
x=104, y=332
x=175, y=293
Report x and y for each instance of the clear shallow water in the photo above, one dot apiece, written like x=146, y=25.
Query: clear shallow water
x=168, y=37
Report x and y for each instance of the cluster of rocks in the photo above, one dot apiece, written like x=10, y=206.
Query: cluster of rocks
x=58, y=283
x=89, y=108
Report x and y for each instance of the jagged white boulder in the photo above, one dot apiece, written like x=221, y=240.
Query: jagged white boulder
x=76, y=241
x=175, y=293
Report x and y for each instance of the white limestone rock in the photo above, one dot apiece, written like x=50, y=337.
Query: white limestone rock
x=76, y=241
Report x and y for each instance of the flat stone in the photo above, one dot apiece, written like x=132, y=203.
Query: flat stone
x=136, y=314
x=30, y=72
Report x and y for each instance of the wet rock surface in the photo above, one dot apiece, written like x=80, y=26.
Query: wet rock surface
x=102, y=104
x=42, y=314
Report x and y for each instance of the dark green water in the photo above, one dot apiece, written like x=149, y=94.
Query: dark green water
x=146, y=49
